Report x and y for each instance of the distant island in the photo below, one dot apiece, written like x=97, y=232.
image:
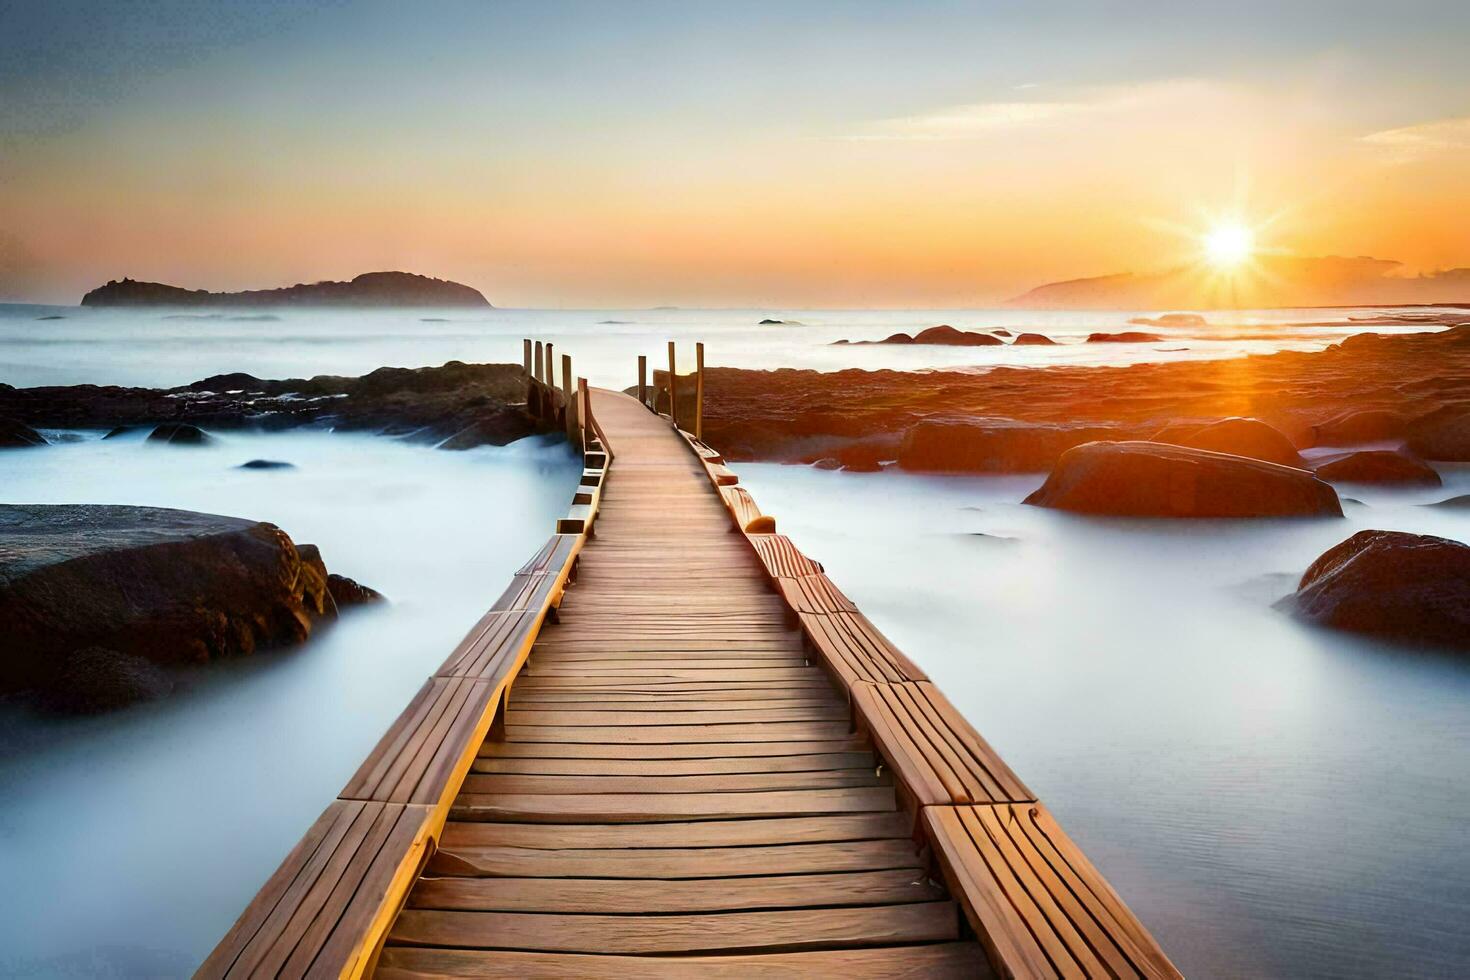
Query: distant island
x=368, y=289
x=1269, y=281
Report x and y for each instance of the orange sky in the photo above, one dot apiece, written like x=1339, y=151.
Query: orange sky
x=615, y=182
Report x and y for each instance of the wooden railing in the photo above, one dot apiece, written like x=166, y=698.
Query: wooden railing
x=328, y=907
x=669, y=390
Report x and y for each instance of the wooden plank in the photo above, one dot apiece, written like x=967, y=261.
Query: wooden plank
x=791, y=929
x=676, y=862
x=781, y=557
x=614, y=896
x=635, y=807
x=495, y=647
x=939, y=961
x=711, y=833
x=794, y=731
x=855, y=650
x=685, y=750
x=482, y=784
x=814, y=594
x=825, y=762
x=1038, y=905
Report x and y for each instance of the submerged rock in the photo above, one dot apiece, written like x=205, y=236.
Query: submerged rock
x=348, y=592
x=18, y=435
x=1462, y=502
x=96, y=680
x=171, y=587
x=1150, y=479
x=1412, y=588
x=266, y=464
x=1378, y=466
x=1236, y=436
x=179, y=434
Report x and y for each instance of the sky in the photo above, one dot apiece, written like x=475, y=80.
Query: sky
x=752, y=154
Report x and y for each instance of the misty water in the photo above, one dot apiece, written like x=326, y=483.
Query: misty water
x=1273, y=800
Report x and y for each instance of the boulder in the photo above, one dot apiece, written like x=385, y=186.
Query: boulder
x=1151, y=479
x=172, y=587
x=1236, y=436
x=897, y=338
x=95, y=680
x=948, y=336
x=1368, y=425
x=1032, y=339
x=266, y=464
x=1462, y=502
x=1125, y=337
x=179, y=434
x=18, y=435
x=348, y=592
x=1442, y=436
x=1378, y=466
x=993, y=445
x=1412, y=588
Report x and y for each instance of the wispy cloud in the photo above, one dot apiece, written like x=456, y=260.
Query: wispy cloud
x=1423, y=139
x=964, y=122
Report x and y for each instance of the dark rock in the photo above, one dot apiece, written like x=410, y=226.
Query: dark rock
x=120, y=430
x=96, y=680
x=496, y=428
x=1462, y=502
x=1032, y=339
x=266, y=464
x=1372, y=425
x=1412, y=588
x=1125, y=337
x=828, y=463
x=989, y=445
x=18, y=435
x=866, y=457
x=1150, y=479
x=1236, y=436
x=347, y=592
x=1443, y=438
x=179, y=434
x=774, y=323
x=1378, y=466
x=948, y=336
x=170, y=586
x=897, y=338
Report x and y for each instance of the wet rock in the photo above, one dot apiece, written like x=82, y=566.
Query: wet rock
x=1150, y=479
x=1236, y=436
x=1123, y=337
x=1442, y=436
x=1033, y=340
x=990, y=445
x=1370, y=425
x=96, y=680
x=18, y=435
x=266, y=464
x=1378, y=466
x=1411, y=588
x=348, y=592
x=169, y=586
x=180, y=434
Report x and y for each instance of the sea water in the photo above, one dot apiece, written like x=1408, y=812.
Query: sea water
x=1272, y=799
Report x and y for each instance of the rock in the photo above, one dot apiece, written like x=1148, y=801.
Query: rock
x=949, y=336
x=120, y=430
x=990, y=445
x=266, y=464
x=1462, y=502
x=170, y=586
x=1001, y=332
x=96, y=680
x=1412, y=588
x=1171, y=320
x=773, y=323
x=1125, y=337
x=179, y=434
x=347, y=592
x=1032, y=339
x=496, y=427
x=368, y=289
x=1371, y=425
x=828, y=463
x=1151, y=479
x=866, y=457
x=18, y=435
x=897, y=338
x=1236, y=436
x=1378, y=466
x=1443, y=438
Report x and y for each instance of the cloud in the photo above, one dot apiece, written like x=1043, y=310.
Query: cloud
x=964, y=122
x=1423, y=139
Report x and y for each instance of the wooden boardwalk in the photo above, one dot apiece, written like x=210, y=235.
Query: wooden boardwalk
x=710, y=764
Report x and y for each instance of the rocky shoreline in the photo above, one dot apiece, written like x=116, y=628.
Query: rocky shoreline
x=454, y=406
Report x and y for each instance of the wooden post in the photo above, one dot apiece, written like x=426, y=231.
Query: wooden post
x=572, y=417
x=584, y=412
x=526, y=355
x=550, y=377
x=673, y=388
x=699, y=391
x=536, y=378
x=643, y=378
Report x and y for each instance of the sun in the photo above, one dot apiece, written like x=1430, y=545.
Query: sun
x=1229, y=244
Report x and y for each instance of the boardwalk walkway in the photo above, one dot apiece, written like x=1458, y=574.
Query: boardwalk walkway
x=674, y=688
x=674, y=748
